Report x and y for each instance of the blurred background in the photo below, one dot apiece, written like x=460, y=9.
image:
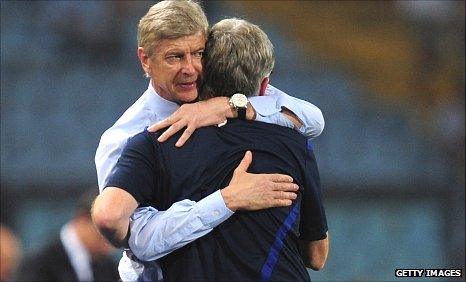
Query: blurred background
x=388, y=77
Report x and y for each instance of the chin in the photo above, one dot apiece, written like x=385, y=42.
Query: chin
x=188, y=97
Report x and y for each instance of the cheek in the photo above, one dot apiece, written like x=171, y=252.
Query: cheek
x=164, y=71
x=170, y=74
x=198, y=66
x=164, y=78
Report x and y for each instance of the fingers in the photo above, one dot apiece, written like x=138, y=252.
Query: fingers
x=281, y=195
x=285, y=186
x=245, y=162
x=276, y=177
x=282, y=199
x=161, y=124
x=185, y=136
x=174, y=128
x=281, y=203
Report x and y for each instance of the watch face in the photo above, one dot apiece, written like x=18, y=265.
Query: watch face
x=239, y=100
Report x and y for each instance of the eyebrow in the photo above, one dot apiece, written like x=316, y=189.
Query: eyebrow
x=180, y=52
x=174, y=52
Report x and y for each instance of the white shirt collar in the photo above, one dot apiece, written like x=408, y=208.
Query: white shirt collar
x=158, y=104
x=79, y=256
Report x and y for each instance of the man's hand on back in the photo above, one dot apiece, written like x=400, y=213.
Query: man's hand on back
x=248, y=191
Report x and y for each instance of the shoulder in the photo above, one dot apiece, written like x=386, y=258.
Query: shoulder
x=136, y=112
x=132, y=121
x=269, y=129
x=273, y=91
x=143, y=139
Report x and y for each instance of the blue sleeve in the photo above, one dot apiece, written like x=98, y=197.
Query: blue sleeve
x=136, y=169
x=155, y=234
x=313, y=223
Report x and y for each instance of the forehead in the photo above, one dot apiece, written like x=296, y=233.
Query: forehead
x=185, y=43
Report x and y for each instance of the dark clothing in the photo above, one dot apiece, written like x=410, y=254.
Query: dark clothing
x=259, y=245
x=52, y=263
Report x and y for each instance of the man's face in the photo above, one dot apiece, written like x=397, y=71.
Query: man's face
x=176, y=66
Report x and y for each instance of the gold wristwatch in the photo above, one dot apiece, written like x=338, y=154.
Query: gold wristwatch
x=240, y=103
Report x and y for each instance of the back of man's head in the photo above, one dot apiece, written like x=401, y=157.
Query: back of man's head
x=238, y=56
x=171, y=20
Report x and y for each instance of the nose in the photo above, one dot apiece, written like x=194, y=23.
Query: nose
x=189, y=66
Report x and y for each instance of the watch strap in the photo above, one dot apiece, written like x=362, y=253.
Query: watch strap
x=241, y=113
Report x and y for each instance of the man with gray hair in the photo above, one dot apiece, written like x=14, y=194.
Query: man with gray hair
x=171, y=39
x=239, y=59
x=260, y=245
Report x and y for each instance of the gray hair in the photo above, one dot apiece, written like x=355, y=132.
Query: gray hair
x=171, y=20
x=238, y=56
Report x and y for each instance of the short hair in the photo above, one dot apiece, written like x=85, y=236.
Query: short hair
x=170, y=20
x=238, y=55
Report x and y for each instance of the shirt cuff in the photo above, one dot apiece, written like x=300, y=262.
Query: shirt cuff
x=264, y=105
x=212, y=210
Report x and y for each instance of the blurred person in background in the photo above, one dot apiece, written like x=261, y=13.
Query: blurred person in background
x=170, y=54
x=10, y=253
x=80, y=253
x=262, y=245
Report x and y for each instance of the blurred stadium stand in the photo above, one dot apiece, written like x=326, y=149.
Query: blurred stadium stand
x=388, y=78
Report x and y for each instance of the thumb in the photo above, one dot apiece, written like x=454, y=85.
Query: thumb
x=245, y=162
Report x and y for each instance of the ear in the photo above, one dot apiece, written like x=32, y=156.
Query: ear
x=264, y=84
x=144, y=59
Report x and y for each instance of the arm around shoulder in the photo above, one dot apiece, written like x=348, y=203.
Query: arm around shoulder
x=309, y=115
x=310, y=118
